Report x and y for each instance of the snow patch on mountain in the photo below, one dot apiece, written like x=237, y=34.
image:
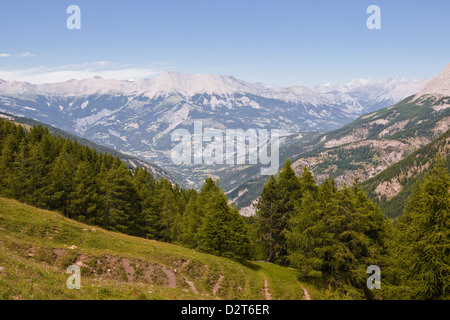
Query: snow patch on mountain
x=348, y=96
x=84, y=104
x=173, y=118
x=114, y=133
x=81, y=124
x=365, y=95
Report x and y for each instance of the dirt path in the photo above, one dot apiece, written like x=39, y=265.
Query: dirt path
x=170, y=277
x=266, y=290
x=305, y=293
x=192, y=285
x=217, y=285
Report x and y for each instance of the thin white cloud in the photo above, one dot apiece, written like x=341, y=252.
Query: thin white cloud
x=104, y=69
x=26, y=54
x=22, y=55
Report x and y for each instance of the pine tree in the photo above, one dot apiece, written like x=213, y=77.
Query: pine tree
x=422, y=252
x=238, y=242
x=39, y=175
x=61, y=180
x=275, y=207
x=170, y=213
x=269, y=217
x=58, y=174
x=223, y=231
x=335, y=235
x=306, y=232
x=308, y=183
x=144, y=184
x=48, y=148
x=119, y=196
x=7, y=158
x=18, y=181
x=290, y=188
x=191, y=221
x=84, y=201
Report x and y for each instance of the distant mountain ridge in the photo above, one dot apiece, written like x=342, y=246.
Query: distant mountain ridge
x=189, y=85
x=369, y=145
x=372, y=95
x=137, y=117
x=365, y=147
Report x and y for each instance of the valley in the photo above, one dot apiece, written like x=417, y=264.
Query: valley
x=367, y=146
x=195, y=245
x=223, y=158
x=137, y=118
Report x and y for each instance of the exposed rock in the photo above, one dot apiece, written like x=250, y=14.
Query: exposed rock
x=396, y=127
x=172, y=282
x=441, y=107
x=358, y=134
x=388, y=189
x=442, y=126
x=439, y=86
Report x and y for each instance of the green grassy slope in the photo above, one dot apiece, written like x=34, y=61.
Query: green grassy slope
x=36, y=248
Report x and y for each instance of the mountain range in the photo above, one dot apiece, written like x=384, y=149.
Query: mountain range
x=367, y=147
x=137, y=117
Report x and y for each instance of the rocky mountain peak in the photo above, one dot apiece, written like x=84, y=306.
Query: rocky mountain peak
x=439, y=85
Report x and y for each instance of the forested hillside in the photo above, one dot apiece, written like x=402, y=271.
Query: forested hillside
x=328, y=234
x=391, y=188
x=131, y=161
x=59, y=174
x=333, y=234
x=364, y=147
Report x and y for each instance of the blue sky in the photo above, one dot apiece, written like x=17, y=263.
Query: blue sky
x=284, y=42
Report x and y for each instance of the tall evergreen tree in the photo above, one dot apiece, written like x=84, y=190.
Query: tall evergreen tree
x=119, y=196
x=275, y=207
x=422, y=244
x=223, y=231
x=61, y=179
x=146, y=224
x=308, y=183
x=18, y=181
x=84, y=199
x=7, y=158
x=170, y=213
x=191, y=222
x=336, y=235
x=269, y=218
